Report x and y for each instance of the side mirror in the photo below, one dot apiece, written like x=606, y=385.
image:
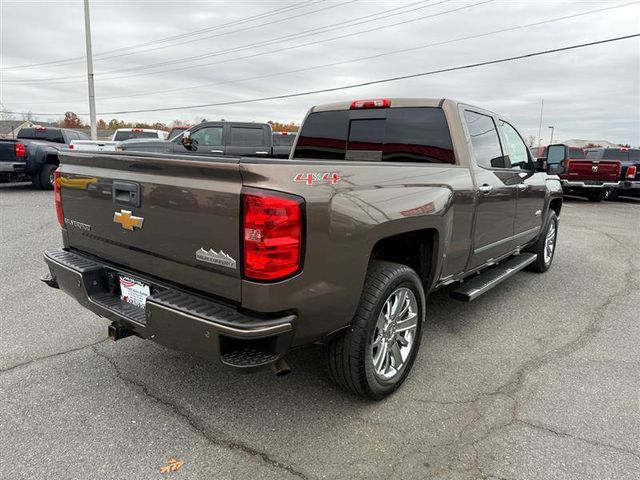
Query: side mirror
x=556, y=158
x=186, y=139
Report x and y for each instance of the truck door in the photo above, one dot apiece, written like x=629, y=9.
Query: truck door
x=206, y=140
x=531, y=187
x=496, y=190
x=248, y=140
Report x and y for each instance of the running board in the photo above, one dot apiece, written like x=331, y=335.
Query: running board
x=489, y=278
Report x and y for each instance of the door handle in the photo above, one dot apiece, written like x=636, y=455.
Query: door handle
x=485, y=188
x=522, y=186
x=217, y=151
x=261, y=152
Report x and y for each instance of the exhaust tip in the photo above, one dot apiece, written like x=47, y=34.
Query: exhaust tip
x=280, y=368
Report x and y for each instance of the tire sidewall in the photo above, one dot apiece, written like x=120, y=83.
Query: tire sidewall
x=553, y=219
x=381, y=388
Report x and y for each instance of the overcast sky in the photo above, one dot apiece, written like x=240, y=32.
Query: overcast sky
x=591, y=93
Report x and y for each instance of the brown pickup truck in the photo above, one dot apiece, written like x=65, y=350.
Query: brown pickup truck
x=241, y=259
x=581, y=176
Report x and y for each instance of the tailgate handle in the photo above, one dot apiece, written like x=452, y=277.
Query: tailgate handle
x=126, y=193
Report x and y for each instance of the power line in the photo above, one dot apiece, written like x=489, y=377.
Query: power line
x=74, y=60
x=371, y=82
x=327, y=28
x=288, y=48
x=359, y=59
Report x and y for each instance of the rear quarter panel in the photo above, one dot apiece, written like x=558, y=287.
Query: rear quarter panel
x=344, y=221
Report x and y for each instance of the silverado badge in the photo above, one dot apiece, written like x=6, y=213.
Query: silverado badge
x=211, y=256
x=126, y=220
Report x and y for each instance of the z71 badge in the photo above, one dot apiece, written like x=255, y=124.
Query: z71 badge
x=211, y=256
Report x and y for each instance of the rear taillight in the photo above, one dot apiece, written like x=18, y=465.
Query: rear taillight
x=71, y=147
x=58, y=197
x=21, y=150
x=374, y=103
x=272, y=235
x=631, y=172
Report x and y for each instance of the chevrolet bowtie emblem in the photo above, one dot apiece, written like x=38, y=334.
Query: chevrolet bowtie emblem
x=128, y=221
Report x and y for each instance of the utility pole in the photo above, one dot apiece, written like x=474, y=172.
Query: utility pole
x=552, y=128
x=92, y=93
x=540, y=127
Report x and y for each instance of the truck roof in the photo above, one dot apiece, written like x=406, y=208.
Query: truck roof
x=393, y=103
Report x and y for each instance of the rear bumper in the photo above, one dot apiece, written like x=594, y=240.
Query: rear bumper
x=13, y=167
x=172, y=317
x=588, y=184
x=629, y=185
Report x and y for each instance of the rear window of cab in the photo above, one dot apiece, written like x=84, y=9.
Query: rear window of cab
x=412, y=134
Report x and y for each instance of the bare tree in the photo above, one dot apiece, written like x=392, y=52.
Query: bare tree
x=531, y=140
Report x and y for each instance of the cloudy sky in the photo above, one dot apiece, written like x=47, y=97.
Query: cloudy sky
x=181, y=53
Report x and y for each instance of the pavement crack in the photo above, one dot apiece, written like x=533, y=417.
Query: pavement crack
x=197, y=426
x=559, y=433
x=53, y=355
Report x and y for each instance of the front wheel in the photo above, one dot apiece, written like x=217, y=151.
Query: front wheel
x=374, y=356
x=545, y=246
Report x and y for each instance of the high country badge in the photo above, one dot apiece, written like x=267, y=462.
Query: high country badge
x=211, y=256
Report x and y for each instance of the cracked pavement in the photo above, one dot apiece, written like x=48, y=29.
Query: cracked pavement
x=537, y=379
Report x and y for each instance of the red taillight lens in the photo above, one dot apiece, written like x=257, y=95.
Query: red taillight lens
x=21, y=150
x=631, y=172
x=58, y=197
x=272, y=235
x=374, y=103
x=71, y=147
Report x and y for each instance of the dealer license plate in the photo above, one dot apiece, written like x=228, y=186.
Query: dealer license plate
x=133, y=292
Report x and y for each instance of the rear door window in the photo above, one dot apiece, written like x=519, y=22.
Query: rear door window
x=417, y=134
x=485, y=140
x=246, y=137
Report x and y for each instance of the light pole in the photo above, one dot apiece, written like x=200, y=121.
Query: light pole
x=92, y=93
x=540, y=127
x=551, y=141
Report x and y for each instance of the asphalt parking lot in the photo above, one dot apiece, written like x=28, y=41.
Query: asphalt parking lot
x=538, y=379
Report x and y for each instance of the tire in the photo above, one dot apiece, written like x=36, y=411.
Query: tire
x=544, y=260
x=47, y=176
x=597, y=195
x=35, y=181
x=612, y=194
x=351, y=355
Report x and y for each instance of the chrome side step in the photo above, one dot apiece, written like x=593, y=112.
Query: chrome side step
x=489, y=278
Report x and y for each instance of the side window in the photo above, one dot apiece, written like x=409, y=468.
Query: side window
x=485, y=140
x=516, y=146
x=208, y=136
x=246, y=137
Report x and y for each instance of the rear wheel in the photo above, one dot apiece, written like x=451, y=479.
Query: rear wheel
x=47, y=176
x=374, y=356
x=597, y=195
x=545, y=246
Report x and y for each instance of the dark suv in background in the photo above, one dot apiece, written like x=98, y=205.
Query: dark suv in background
x=630, y=173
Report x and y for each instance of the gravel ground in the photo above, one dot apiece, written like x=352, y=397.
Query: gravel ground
x=537, y=379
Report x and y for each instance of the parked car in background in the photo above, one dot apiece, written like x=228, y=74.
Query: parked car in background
x=629, y=158
x=282, y=143
x=243, y=259
x=120, y=135
x=177, y=130
x=585, y=177
x=212, y=138
x=33, y=154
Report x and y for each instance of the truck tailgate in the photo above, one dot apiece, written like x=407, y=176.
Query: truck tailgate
x=175, y=218
x=603, y=170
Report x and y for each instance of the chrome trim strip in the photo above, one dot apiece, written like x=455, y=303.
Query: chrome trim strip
x=570, y=183
x=504, y=240
x=283, y=327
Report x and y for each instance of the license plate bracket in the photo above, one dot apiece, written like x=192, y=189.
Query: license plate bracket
x=133, y=291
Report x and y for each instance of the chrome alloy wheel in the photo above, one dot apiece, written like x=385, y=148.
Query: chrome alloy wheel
x=395, y=332
x=550, y=243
